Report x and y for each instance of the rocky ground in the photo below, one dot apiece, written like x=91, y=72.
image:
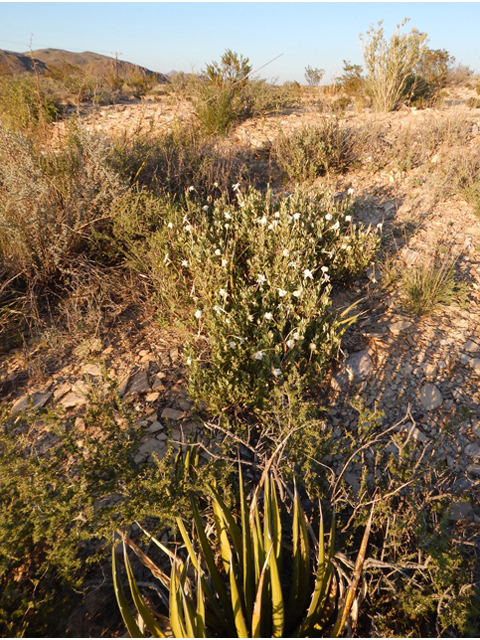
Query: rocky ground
x=390, y=358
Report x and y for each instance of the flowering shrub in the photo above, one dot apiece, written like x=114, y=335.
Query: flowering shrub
x=260, y=274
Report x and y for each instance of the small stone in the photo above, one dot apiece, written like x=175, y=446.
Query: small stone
x=475, y=364
x=472, y=450
x=450, y=462
x=34, y=402
x=61, y=390
x=461, y=511
x=359, y=365
x=151, y=397
x=476, y=428
x=392, y=448
x=90, y=346
x=430, y=397
x=185, y=405
x=171, y=414
x=72, y=399
x=155, y=426
x=471, y=346
x=92, y=370
x=80, y=386
x=139, y=383
x=353, y=481
x=152, y=446
x=397, y=327
x=144, y=352
x=430, y=370
x=474, y=468
x=157, y=382
x=122, y=388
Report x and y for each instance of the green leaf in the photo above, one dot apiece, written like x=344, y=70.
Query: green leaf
x=225, y=549
x=149, y=620
x=175, y=606
x=200, y=608
x=257, y=607
x=247, y=552
x=237, y=604
x=277, y=597
x=128, y=619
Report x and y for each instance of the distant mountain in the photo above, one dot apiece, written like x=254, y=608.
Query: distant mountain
x=52, y=60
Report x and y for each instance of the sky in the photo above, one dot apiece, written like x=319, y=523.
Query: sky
x=185, y=36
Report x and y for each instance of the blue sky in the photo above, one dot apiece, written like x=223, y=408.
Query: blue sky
x=186, y=35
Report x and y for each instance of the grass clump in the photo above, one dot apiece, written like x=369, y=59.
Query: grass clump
x=433, y=284
x=316, y=151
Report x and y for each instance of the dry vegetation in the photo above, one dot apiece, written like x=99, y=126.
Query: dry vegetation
x=235, y=226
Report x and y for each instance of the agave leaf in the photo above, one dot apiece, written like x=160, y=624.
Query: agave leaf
x=175, y=607
x=225, y=549
x=209, y=559
x=232, y=526
x=278, y=615
x=149, y=620
x=237, y=604
x=128, y=619
x=200, y=616
x=189, y=615
x=247, y=552
x=277, y=524
x=349, y=598
x=301, y=575
x=159, y=544
x=220, y=616
x=257, y=607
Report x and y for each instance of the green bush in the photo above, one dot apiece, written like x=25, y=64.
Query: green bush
x=315, y=151
x=25, y=106
x=259, y=275
x=390, y=65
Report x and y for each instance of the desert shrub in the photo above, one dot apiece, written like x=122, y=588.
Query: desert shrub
x=24, y=105
x=461, y=174
x=171, y=163
x=61, y=497
x=314, y=77
x=259, y=274
x=314, y=151
x=389, y=65
x=430, y=76
x=51, y=202
x=351, y=81
x=473, y=103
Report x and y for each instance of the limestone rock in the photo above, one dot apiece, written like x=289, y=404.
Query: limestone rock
x=471, y=346
x=35, y=402
x=461, y=511
x=171, y=414
x=92, y=370
x=139, y=383
x=430, y=397
x=73, y=399
x=359, y=365
x=475, y=364
x=398, y=327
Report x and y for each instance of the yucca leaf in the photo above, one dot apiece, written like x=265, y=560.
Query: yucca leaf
x=257, y=607
x=188, y=614
x=200, y=617
x=237, y=604
x=128, y=619
x=278, y=615
x=300, y=575
x=277, y=524
x=349, y=598
x=232, y=526
x=147, y=617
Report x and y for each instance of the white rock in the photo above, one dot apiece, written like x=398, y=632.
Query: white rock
x=475, y=364
x=34, y=402
x=359, y=365
x=471, y=346
x=62, y=390
x=92, y=370
x=72, y=399
x=397, y=327
x=430, y=397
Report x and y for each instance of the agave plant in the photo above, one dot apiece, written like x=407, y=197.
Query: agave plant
x=238, y=586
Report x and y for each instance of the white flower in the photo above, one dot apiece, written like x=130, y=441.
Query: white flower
x=296, y=336
x=290, y=344
x=379, y=226
x=348, y=218
x=296, y=216
x=344, y=246
x=205, y=207
x=285, y=253
x=259, y=355
x=188, y=227
x=218, y=252
x=349, y=248
x=307, y=274
x=227, y=216
x=277, y=372
x=270, y=227
x=184, y=263
x=198, y=314
x=236, y=186
x=277, y=214
x=328, y=216
x=297, y=293
x=217, y=308
x=250, y=318
x=165, y=260
x=324, y=269
x=261, y=278
x=292, y=264
x=351, y=191
x=326, y=278
x=189, y=362
x=336, y=226
x=232, y=345
x=263, y=221
x=170, y=225
x=313, y=346
x=223, y=293
x=215, y=184
x=282, y=292
x=290, y=218
x=192, y=188
x=227, y=226
x=268, y=316
x=241, y=340
x=224, y=263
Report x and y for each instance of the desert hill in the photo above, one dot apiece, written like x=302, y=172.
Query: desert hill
x=49, y=60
